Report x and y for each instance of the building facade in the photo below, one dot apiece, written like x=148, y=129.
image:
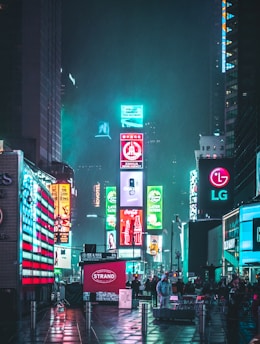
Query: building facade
x=30, y=87
x=26, y=235
x=242, y=114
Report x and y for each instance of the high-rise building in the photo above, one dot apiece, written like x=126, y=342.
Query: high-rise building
x=30, y=87
x=242, y=112
x=216, y=75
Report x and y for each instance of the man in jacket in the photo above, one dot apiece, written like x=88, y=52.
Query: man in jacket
x=164, y=290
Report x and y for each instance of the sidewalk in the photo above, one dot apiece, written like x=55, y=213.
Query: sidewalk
x=111, y=325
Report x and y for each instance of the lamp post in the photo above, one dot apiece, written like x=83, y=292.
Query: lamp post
x=104, y=218
x=171, y=244
x=133, y=244
x=178, y=256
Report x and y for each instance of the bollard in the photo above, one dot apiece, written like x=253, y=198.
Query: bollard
x=33, y=315
x=258, y=319
x=88, y=315
x=202, y=319
x=144, y=318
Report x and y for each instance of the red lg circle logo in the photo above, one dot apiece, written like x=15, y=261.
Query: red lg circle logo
x=219, y=177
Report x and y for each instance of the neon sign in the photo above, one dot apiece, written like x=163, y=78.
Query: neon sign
x=219, y=177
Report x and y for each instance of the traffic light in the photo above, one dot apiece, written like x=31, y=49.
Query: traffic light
x=175, y=274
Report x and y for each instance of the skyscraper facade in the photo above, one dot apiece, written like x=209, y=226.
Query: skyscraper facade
x=30, y=56
x=242, y=111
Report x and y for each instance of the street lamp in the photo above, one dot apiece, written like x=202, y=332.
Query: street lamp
x=104, y=218
x=178, y=256
x=171, y=244
x=133, y=244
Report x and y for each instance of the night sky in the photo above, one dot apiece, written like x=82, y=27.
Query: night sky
x=150, y=52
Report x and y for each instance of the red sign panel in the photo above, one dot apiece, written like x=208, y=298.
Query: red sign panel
x=107, y=277
x=131, y=227
x=131, y=150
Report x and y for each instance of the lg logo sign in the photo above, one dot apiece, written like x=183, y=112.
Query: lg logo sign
x=219, y=178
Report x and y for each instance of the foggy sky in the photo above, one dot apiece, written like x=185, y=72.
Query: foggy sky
x=150, y=52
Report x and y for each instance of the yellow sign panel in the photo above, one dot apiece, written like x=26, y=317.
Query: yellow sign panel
x=61, y=194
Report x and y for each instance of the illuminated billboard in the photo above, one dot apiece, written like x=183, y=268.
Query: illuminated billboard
x=215, y=188
x=103, y=129
x=154, y=207
x=132, y=116
x=131, y=227
x=154, y=245
x=104, y=277
x=131, y=189
x=110, y=207
x=62, y=257
x=37, y=234
x=61, y=194
x=131, y=151
x=111, y=240
x=193, y=195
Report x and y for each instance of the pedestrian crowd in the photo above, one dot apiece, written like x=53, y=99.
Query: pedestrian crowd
x=238, y=297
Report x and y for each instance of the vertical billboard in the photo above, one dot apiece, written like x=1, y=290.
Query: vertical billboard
x=111, y=240
x=62, y=257
x=61, y=194
x=131, y=227
x=37, y=211
x=215, y=188
x=193, y=195
x=154, y=207
x=131, y=189
x=132, y=116
x=110, y=208
x=131, y=151
x=154, y=246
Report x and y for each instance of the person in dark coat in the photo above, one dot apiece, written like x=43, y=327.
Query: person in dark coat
x=147, y=286
x=154, y=282
x=234, y=303
x=136, y=287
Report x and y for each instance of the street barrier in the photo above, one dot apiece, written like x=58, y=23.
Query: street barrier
x=144, y=318
x=33, y=315
x=88, y=315
x=202, y=319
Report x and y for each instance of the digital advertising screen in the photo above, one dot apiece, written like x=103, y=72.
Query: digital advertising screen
x=131, y=151
x=193, y=196
x=62, y=257
x=131, y=227
x=111, y=240
x=132, y=116
x=37, y=235
x=154, y=245
x=111, y=204
x=154, y=207
x=61, y=193
x=131, y=189
x=106, y=277
x=215, y=187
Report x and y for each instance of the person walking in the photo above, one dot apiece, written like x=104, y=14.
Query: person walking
x=136, y=287
x=164, y=290
x=234, y=304
x=154, y=282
